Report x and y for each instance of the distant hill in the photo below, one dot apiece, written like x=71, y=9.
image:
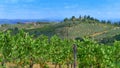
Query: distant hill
x=14, y=21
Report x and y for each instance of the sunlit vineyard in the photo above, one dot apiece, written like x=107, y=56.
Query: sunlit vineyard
x=86, y=29
x=25, y=50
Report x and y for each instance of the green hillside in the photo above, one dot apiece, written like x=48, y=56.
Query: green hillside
x=70, y=28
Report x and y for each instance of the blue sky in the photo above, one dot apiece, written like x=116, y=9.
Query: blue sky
x=41, y=9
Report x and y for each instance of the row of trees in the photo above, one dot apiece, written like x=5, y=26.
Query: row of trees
x=73, y=18
x=110, y=40
x=90, y=19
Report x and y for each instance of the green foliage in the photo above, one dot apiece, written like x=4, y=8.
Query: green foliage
x=94, y=55
x=23, y=49
x=4, y=25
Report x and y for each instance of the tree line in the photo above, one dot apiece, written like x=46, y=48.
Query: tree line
x=89, y=19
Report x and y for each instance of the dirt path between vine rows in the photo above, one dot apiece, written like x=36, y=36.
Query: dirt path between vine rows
x=98, y=33
x=11, y=65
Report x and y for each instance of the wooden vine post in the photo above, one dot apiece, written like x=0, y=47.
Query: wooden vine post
x=75, y=55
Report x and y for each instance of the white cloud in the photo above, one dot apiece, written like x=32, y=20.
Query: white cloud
x=11, y=1
x=71, y=6
x=17, y=1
